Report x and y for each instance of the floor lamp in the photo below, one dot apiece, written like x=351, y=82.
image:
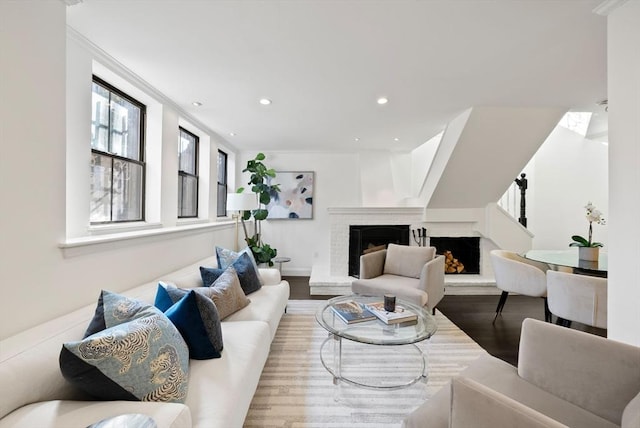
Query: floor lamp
x=237, y=203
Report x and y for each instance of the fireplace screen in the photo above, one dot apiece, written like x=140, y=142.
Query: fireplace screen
x=365, y=239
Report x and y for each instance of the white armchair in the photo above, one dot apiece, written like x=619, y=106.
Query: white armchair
x=579, y=298
x=411, y=273
x=518, y=275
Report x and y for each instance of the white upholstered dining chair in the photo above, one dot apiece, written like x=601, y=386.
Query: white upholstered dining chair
x=515, y=274
x=579, y=298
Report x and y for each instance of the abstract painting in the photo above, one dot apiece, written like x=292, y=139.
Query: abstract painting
x=295, y=199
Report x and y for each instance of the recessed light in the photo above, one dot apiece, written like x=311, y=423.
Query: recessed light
x=233, y=134
x=197, y=103
x=382, y=100
x=396, y=139
x=265, y=101
x=356, y=139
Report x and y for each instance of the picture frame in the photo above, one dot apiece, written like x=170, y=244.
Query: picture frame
x=295, y=199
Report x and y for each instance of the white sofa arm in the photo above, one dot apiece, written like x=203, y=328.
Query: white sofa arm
x=432, y=280
x=270, y=276
x=594, y=373
x=475, y=405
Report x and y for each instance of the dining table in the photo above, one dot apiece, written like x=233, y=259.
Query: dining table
x=568, y=260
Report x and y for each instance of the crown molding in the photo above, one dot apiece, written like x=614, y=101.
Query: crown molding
x=608, y=6
x=71, y=2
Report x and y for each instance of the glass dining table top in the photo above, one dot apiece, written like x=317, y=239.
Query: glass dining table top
x=568, y=258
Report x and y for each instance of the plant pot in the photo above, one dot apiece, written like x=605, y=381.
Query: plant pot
x=589, y=253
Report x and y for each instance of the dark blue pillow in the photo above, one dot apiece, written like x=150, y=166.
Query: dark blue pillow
x=196, y=318
x=247, y=274
x=209, y=275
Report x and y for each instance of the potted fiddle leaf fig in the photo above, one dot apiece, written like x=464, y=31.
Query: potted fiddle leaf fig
x=260, y=182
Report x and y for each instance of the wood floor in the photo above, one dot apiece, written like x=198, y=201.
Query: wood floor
x=474, y=315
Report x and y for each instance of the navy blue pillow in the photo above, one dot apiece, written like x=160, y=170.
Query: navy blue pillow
x=247, y=274
x=196, y=318
x=209, y=275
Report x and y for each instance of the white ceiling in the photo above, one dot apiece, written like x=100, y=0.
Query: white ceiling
x=324, y=63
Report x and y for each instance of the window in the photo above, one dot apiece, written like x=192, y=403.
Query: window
x=117, y=155
x=187, y=174
x=222, y=183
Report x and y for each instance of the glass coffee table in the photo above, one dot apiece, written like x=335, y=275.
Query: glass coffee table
x=406, y=362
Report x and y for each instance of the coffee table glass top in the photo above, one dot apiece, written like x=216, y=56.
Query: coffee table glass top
x=376, y=332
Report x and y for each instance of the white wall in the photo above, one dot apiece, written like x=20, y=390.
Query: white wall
x=40, y=279
x=337, y=184
x=568, y=172
x=624, y=173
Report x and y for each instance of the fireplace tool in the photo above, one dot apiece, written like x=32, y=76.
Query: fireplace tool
x=421, y=239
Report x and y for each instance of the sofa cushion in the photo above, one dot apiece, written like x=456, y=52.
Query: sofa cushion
x=196, y=318
x=405, y=260
x=118, y=362
x=225, y=291
x=68, y=413
x=225, y=386
x=226, y=258
x=631, y=413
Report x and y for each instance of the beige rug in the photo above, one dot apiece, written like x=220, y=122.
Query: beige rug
x=295, y=390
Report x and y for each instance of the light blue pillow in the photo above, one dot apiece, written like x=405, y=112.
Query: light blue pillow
x=145, y=359
x=226, y=258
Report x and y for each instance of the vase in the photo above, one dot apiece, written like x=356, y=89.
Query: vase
x=589, y=253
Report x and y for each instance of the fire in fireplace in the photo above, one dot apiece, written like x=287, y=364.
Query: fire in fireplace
x=364, y=239
x=462, y=254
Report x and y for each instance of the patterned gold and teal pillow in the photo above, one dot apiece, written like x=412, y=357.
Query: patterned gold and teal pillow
x=196, y=317
x=225, y=292
x=226, y=258
x=145, y=359
x=113, y=309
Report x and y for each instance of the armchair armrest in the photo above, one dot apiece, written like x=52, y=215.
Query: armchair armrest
x=597, y=374
x=475, y=405
x=432, y=280
x=372, y=264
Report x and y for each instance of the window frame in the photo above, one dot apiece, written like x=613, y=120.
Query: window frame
x=221, y=211
x=141, y=151
x=182, y=173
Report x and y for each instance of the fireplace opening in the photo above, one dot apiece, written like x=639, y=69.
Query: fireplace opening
x=364, y=239
x=462, y=255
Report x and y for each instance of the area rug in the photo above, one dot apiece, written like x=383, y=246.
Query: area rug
x=295, y=390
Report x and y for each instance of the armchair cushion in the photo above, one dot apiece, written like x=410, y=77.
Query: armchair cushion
x=404, y=287
x=475, y=405
x=592, y=372
x=404, y=260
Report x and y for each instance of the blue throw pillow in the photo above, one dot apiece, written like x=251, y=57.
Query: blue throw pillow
x=144, y=359
x=247, y=274
x=226, y=258
x=196, y=318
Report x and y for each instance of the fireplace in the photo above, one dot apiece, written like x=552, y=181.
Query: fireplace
x=364, y=239
x=462, y=255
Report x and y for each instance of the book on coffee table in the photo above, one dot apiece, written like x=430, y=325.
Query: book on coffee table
x=352, y=312
x=401, y=314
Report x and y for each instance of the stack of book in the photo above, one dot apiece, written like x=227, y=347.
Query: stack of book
x=352, y=312
x=400, y=315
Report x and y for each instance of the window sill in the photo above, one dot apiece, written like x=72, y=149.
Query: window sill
x=110, y=236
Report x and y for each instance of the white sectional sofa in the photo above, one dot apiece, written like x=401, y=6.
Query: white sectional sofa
x=33, y=392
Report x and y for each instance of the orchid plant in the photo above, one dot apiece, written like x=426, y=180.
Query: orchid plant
x=593, y=216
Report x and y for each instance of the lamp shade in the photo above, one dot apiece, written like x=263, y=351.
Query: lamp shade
x=241, y=201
